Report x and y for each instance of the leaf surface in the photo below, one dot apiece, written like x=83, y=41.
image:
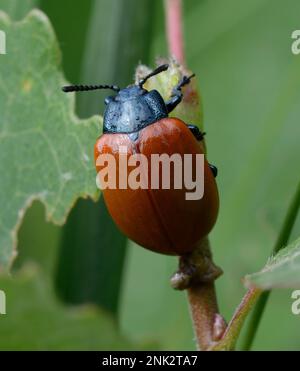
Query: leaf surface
x=46, y=152
x=281, y=271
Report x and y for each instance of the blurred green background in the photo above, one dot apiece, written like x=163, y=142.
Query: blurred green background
x=250, y=85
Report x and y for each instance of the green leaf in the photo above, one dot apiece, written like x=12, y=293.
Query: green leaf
x=281, y=242
x=35, y=320
x=17, y=9
x=46, y=151
x=281, y=271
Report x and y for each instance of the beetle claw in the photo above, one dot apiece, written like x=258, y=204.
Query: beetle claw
x=214, y=170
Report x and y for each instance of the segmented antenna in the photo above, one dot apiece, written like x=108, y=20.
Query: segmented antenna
x=157, y=70
x=70, y=88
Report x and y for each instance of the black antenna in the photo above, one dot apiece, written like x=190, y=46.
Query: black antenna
x=157, y=70
x=70, y=88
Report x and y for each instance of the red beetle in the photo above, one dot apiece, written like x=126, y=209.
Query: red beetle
x=162, y=220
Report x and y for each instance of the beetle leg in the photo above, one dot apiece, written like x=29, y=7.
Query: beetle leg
x=199, y=136
x=214, y=170
x=134, y=136
x=176, y=96
x=196, y=132
x=109, y=99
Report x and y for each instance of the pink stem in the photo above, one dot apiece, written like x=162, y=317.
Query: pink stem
x=209, y=325
x=173, y=10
